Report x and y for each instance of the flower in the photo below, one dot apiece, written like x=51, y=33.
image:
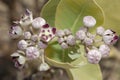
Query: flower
x=32, y=53
x=94, y=56
x=100, y=30
x=26, y=19
x=105, y=50
x=89, y=21
x=109, y=37
x=15, y=32
x=22, y=44
x=18, y=60
x=47, y=33
x=38, y=22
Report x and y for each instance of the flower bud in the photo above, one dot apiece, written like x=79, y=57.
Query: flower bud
x=64, y=45
x=80, y=35
x=100, y=30
x=109, y=37
x=94, y=56
x=38, y=22
x=67, y=32
x=105, y=50
x=60, y=40
x=42, y=45
x=60, y=33
x=32, y=53
x=27, y=35
x=44, y=67
x=89, y=21
x=22, y=44
x=34, y=38
x=88, y=41
x=15, y=32
x=83, y=29
x=71, y=40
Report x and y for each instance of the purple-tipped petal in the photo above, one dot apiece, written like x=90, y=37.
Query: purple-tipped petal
x=46, y=26
x=109, y=37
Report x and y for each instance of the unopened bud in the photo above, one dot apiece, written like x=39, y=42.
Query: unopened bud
x=22, y=44
x=71, y=40
x=89, y=21
x=64, y=45
x=80, y=35
x=27, y=35
x=94, y=56
x=38, y=23
x=100, y=30
x=105, y=50
x=88, y=41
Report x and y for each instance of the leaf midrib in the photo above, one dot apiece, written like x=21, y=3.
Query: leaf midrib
x=75, y=22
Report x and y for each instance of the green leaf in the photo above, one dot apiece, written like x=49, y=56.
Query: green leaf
x=69, y=13
x=58, y=56
x=111, y=9
x=77, y=69
x=49, y=10
x=85, y=70
x=59, y=64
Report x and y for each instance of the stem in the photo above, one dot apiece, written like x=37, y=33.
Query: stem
x=63, y=55
x=43, y=59
x=86, y=49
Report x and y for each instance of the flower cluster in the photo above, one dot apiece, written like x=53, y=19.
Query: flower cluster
x=35, y=34
x=95, y=53
x=65, y=38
